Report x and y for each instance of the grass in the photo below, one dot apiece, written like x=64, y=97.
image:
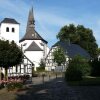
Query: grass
x=87, y=81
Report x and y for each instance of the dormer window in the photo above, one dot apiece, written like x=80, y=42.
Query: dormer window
x=7, y=29
x=13, y=30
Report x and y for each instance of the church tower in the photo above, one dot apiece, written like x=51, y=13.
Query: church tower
x=9, y=30
x=31, y=33
x=33, y=45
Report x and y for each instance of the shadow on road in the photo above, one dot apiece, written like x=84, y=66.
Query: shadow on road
x=44, y=91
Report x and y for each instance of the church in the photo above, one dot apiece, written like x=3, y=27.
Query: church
x=32, y=44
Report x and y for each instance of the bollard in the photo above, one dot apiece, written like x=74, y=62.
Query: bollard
x=56, y=75
x=43, y=77
x=49, y=77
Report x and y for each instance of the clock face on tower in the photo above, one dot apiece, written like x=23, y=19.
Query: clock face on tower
x=33, y=35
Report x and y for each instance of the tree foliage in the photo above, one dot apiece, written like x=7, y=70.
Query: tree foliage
x=42, y=66
x=81, y=36
x=77, y=68
x=98, y=51
x=95, y=67
x=42, y=63
x=59, y=56
x=10, y=54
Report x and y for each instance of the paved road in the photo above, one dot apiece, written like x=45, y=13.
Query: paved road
x=56, y=89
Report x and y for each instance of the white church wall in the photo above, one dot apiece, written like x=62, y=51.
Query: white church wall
x=43, y=46
x=0, y=29
x=35, y=57
x=10, y=35
x=26, y=43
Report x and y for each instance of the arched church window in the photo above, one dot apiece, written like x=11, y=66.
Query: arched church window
x=7, y=29
x=13, y=30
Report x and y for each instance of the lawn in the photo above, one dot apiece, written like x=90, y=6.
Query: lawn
x=87, y=81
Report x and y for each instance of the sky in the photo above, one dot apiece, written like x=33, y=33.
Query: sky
x=51, y=15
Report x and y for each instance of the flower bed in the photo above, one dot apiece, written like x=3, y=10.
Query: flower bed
x=14, y=82
x=14, y=86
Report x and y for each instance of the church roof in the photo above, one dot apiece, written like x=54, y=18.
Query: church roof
x=72, y=49
x=9, y=20
x=31, y=34
x=33, y=47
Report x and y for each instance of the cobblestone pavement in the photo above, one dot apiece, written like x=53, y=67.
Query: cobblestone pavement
x=56, y=89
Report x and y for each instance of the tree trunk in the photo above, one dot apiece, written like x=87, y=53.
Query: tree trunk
x=0, y=73
x=6, y=74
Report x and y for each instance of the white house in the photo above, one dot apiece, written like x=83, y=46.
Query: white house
x=70, y=50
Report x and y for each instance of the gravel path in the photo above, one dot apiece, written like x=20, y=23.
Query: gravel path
x=56, y=89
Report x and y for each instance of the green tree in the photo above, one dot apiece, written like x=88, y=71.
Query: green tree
x=42, y=63
x=42, y=66
x=59, y=56
x=81, y=36
x=10, y=55
x=98, y=51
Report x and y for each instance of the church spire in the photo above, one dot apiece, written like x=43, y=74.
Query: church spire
x=31, y=21
x=31, y=34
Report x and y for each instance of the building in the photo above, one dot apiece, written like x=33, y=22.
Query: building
x=71, y=50
x=9, y=30
x=33, y=45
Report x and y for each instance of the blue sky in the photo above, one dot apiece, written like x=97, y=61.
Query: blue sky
x=51, y=15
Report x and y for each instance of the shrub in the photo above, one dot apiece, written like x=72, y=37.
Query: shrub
x=18, y=85
x=10, y=86
x=40, y=69
x=1, y=85
x=95, y=68
x=73, y=73
x=14, y=85
x=77, y=68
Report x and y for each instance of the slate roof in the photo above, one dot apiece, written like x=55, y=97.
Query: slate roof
x=33, y=47
x=31, y=34
x=9, y=20
x=72, y=49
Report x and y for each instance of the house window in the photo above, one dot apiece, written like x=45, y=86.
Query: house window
x=7, y=29
x=13, y=30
